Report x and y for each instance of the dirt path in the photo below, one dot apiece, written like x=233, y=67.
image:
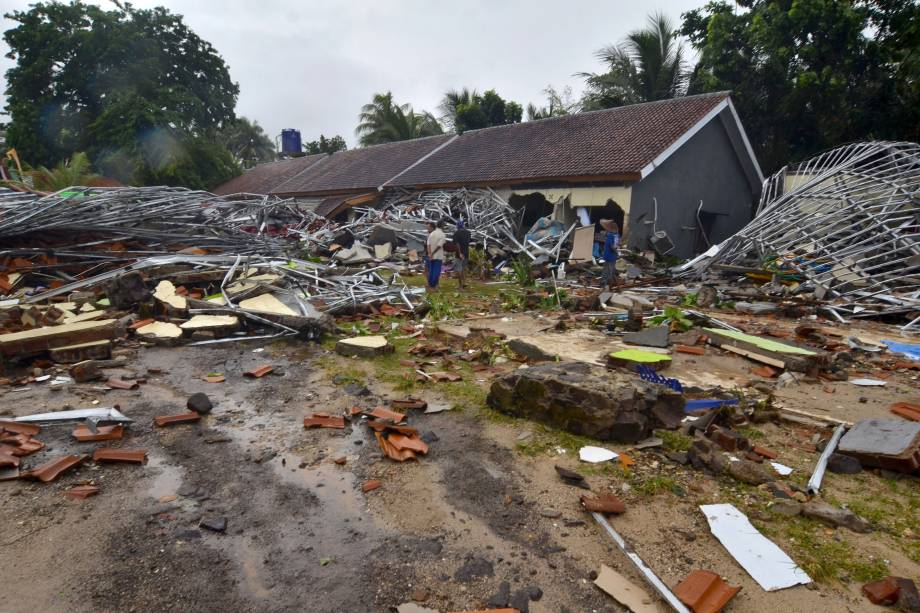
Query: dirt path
x=301, y=536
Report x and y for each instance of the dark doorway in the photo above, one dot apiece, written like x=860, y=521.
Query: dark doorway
x=610, y=210
x=534, y=206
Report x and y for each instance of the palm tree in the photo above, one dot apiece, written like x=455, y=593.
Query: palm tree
x=648, y=65
x=451, y=101
x=248, y=142
x=384, y=121
x=77, y=171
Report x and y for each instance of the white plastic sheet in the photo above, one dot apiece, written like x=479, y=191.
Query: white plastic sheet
x=763, y=560
x=596, y=455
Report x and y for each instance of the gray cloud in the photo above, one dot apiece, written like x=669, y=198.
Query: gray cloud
x=311, y=65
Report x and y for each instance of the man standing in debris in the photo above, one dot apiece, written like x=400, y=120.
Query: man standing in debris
x=462, y=239
x=436, y=240
x=611, y=243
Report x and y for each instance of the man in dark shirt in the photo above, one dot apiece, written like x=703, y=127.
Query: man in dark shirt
x=462, y=239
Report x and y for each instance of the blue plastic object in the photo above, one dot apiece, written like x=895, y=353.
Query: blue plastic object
x=290, y=141
x=647, y=373
x=911, y=351
x=701, y=405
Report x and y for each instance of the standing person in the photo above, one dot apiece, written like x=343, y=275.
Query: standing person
x=462, y=239
x=611, y=243
x=435, y=246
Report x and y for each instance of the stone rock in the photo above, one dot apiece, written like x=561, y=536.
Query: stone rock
x=843, y=464
x=214, y=523
x=473, y=568
x=908, y=597
x=126, y=290
x=535, y=593
x=571, y=477
x=356, y=389
x=707, y=296
x=587, y=400
x=679, y=457
x=836, y=517
x=786, y=508
x=749, y=472
x=521, y=601
x=703, y=455
x=87, y=370
x=883, y=592
x=199, y=403
x=501, y=598
x=551, y=513
x=650, y=337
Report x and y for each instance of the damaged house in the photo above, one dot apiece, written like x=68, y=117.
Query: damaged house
x=677, y=175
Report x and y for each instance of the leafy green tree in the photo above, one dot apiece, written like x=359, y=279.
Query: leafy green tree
x=384, y=121
x=127, y=86
x=648, y=65
x=325, y=145
x=247, y=142
x=808, y=75
x=467, y=109
x=557, y=104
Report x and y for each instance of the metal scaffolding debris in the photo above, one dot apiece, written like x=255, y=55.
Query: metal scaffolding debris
x=844, y=225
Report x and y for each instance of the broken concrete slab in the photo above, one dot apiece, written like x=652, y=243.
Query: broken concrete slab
x=165, y=292
x=835, y=516
x=587, y=401
x=94, y=350
x=160, y=330
x=44, y=339
x=363, y=346
x=892, y=444
x=217, y=324
x=650, y=337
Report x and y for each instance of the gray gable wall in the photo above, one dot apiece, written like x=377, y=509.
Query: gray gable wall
x=707, y=167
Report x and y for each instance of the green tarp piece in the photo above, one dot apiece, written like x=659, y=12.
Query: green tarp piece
x=637, y=355
x=763, y=343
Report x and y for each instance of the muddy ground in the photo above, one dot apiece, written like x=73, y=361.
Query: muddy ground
x=482, y=508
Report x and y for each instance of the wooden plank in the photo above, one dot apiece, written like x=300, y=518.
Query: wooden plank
x=49, y=337
x=755, y=356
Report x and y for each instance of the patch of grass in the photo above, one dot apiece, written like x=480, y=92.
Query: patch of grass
x=652, y=486
x=825, y=559
x=751, y=433
x=674, y=441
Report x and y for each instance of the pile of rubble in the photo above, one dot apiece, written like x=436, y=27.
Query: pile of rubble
x=842, y=228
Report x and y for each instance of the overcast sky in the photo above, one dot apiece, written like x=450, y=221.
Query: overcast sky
x=311, y=65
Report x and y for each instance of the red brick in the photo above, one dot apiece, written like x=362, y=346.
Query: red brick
x=882, y=592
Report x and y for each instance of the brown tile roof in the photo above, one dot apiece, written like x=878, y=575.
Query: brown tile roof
x=360, y=169
x=614, y=143
x=262, y=178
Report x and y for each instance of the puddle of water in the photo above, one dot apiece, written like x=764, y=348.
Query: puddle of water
x=250, y=561
x=167, y=477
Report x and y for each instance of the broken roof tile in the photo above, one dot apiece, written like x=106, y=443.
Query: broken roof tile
x=409, y=403
x=50, y=470
x=259, y=371
x=403, y=442
x=19, y=428
x=134, y=456
x=322, y=420
x=369, y=486
x=181, y=418
x=603, y=503
x=80, y=492
x=121, y=384
x=103, y=433
x=400, y=455
x=705, y=592
x=907, y=410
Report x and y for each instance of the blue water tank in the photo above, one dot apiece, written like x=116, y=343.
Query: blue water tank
x=290, y=141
